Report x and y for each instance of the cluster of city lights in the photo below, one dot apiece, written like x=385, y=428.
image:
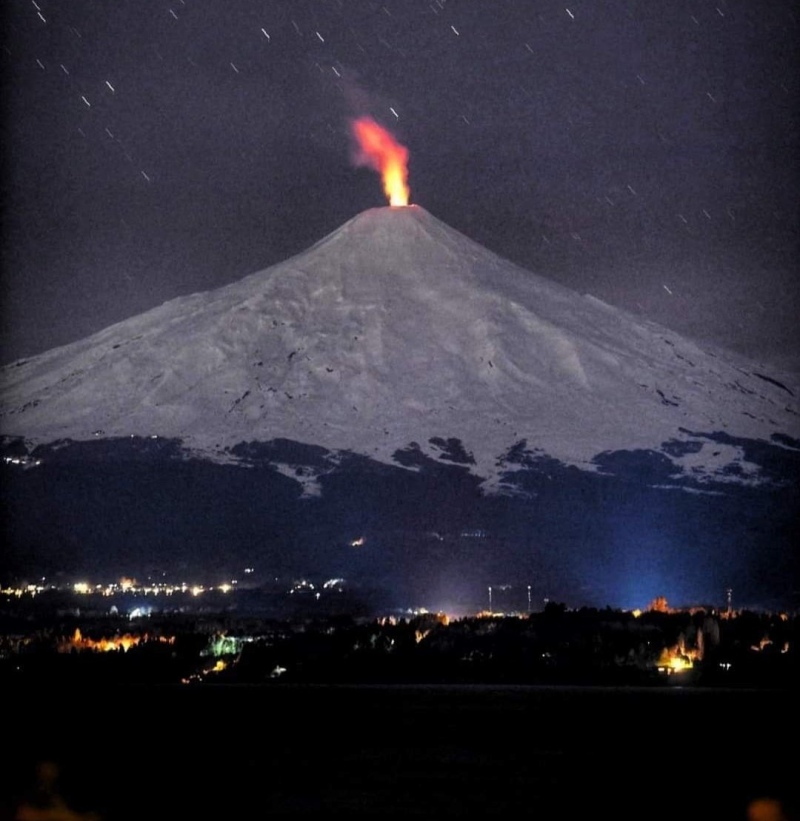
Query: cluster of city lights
x=123, y=586
x=106, y=644
x=131, y=586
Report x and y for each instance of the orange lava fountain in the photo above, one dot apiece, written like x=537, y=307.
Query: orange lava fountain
x=379, y=150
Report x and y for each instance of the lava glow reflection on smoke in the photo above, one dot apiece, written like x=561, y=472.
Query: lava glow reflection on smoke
x=378, y=149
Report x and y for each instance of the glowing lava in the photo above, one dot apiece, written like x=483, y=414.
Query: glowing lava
x=379, y=150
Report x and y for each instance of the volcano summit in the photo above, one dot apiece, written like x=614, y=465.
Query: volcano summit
x=400, y=380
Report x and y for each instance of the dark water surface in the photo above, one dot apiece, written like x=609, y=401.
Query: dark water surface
x=240, y=752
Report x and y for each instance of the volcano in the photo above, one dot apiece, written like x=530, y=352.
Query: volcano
x=401, y=381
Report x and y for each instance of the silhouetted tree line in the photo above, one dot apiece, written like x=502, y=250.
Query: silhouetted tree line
x=555, y=646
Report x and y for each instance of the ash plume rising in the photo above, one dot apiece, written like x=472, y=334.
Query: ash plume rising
x=379, y=150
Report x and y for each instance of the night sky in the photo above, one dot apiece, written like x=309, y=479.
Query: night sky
x=644, y=152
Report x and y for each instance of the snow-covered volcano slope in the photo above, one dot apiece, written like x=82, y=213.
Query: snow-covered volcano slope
x=395, y=329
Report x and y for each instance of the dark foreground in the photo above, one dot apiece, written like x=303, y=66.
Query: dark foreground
x=288, y=751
